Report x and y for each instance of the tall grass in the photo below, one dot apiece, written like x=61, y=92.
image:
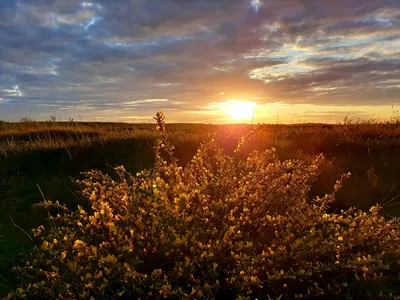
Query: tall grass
x=51, y=154
x=240, y=226
x=28, y=136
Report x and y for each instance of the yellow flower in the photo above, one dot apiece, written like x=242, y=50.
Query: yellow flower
x=79, y=243
x=93, y=196
x=110, y=259
x=98, y=275
x=45, y=245
x=89, y=285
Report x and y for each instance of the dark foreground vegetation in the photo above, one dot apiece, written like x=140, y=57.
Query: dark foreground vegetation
x=261, y=216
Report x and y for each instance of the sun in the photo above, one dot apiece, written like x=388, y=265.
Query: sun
x=239, y=110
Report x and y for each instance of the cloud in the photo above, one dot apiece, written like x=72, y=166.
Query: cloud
x=100, y=55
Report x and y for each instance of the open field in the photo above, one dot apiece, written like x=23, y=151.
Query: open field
x=38, y=158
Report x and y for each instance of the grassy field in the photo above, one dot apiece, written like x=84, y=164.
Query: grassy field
x=40, y=160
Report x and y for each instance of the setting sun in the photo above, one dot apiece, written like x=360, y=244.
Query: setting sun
x=239, y=110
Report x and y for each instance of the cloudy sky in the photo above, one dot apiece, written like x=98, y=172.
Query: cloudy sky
x=122, y=60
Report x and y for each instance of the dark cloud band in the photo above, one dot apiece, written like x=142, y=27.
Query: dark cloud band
x=100, y=55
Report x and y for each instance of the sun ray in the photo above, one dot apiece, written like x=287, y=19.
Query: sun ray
x=239, y=110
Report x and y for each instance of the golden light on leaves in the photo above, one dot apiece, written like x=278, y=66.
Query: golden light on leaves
x=223, y=223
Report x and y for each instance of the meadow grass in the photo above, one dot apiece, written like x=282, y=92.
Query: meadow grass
x=47, y=155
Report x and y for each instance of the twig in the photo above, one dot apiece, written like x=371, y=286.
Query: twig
x=391, y=190
x=12, y=221
x=69, y=153
x=391, y=200
x=40, y=190
x=72, y=192
x=44, y=198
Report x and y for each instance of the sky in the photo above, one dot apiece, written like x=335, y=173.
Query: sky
x=123, y=60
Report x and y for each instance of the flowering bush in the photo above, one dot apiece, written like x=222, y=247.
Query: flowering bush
x=231, y=227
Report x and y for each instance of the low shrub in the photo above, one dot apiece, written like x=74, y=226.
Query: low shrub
x=230, y=227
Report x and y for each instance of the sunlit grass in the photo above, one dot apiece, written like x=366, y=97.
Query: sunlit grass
x=241, y=225
x=48, y=154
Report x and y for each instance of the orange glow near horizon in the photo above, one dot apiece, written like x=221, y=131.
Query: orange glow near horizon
x=239, y=110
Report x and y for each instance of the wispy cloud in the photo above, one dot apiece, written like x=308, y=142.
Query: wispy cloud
x=141, y=102
x=86, y=57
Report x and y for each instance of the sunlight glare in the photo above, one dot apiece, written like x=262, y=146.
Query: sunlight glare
x=239, y=110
